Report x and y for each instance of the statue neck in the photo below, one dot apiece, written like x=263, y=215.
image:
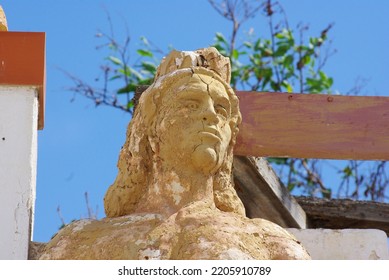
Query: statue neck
x=170, y=191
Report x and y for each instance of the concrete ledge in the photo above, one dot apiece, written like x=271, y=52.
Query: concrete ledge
x=346, y=244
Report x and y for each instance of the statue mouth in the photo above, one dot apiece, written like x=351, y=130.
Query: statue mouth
x=211, y=133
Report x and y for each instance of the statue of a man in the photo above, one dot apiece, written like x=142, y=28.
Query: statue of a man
x=174, y=196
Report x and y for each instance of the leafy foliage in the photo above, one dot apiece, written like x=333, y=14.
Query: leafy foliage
x=120, y=78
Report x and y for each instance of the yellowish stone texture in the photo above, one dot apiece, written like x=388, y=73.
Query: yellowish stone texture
x=3, y=20
x=174, y=196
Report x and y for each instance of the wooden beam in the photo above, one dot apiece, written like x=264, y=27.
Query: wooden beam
x=263, y=194
x=345, y=213
x=313, y=126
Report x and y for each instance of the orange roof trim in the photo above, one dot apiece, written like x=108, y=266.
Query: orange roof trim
x=22, y=62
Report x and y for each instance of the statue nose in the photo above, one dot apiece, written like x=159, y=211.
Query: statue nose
x=210, y=116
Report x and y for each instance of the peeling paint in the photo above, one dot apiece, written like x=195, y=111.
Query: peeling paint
x=234, y=254
x=79, y=225
x=149, y=254
x=177, y=191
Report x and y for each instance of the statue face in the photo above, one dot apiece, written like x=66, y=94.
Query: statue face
x=195, y=131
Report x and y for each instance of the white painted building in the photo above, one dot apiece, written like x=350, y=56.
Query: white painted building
x=18, y=159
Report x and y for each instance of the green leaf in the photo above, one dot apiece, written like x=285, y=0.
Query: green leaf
x=274, y=86
x=130, y=104
x=291, y=186
x=306, y=59
x=280, y=35
x=146, y=53
x=115, y=60
x=115, y=77
x=257, y=45
x=235, y=54
x=220, y=38
x=347, y=171
x=322, y=75
x=127, y=89
x=287, y=86
x=288, y=61
x=313, y=40
x=266, y=52
x=148, y=66
x=147, y=81
x=136, y=73
x=330, y=82
x=248, y=45
x=281, y=50
x=126, y=71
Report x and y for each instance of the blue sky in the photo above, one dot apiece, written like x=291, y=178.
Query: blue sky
x=79, y=146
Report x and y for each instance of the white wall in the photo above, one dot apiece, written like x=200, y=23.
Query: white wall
x=18, y=158
x=344, y=244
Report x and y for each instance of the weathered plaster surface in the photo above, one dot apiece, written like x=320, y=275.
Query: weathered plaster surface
x=18, y=156
x=174, y=196
x=194, y=232
x=345, y=244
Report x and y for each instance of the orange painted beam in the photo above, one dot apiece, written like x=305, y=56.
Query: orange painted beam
x=22, y=62
x=313, y=126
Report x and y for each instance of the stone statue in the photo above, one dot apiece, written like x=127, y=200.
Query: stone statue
x=174, y=196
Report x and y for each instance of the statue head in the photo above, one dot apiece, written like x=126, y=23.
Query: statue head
x=186, y=121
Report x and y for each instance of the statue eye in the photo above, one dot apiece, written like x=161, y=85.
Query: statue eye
x=220, y=110
x=193, y=105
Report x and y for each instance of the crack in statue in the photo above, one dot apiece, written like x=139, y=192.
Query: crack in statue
x=174, y=196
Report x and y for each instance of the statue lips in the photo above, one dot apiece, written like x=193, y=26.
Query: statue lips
x=211, y=134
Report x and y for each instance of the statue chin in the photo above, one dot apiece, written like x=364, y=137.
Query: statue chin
x=206, y=159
